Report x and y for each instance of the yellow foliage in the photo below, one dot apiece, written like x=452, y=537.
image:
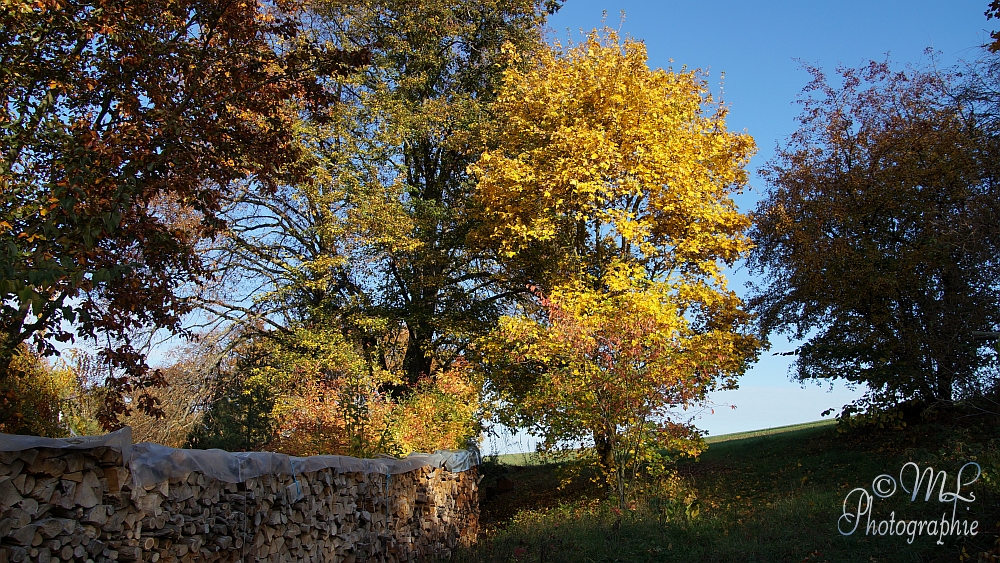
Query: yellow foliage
x=610, y=188
x=442, y=413
x=593, y=141
x=323, y=418
x=336, y=403
x=32, y=394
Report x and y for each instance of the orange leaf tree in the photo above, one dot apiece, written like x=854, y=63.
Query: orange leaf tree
x=117, y=116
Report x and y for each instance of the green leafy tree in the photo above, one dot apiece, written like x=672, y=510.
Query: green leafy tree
x=240, y=413
x=241, y=420
x=879, y=237
x=376, y=242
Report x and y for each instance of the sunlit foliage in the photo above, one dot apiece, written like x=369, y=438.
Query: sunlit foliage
x=359, y=280
x=611, y=192
x=32, y=396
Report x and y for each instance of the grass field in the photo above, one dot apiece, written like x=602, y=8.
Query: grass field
x=769, y=431
x=772, y=495
x=534, y=458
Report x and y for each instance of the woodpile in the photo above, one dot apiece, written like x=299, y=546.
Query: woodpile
x=80, y=505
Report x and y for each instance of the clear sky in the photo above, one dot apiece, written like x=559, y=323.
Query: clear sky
x=758, y=45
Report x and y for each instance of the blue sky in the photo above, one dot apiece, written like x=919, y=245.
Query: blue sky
x=758, y=45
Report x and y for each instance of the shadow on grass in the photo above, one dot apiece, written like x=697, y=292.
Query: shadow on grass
x=767, y=498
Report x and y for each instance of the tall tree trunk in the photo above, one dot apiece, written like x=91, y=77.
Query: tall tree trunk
x=417, y=360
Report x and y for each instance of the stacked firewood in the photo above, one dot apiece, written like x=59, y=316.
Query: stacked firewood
x=80, y=505
x=63, y=505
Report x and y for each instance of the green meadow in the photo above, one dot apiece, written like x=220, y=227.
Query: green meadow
x=770, y=495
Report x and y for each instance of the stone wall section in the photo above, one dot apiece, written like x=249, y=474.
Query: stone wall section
x=81, y=505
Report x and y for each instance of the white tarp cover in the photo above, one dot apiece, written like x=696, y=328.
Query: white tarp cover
x=455, y=461
x=152, y=463
x=120, y=440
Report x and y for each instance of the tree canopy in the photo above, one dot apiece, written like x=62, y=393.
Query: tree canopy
x=605, y=162
x=123, y=124
x=611, y=194
x=375, y=241
x=879, y=236
x=361, y=275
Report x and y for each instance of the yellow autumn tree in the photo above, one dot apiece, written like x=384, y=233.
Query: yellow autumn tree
x=610, y=193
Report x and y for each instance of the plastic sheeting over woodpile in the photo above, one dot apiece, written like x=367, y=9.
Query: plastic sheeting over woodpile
x=120, y=440
x=152, y=463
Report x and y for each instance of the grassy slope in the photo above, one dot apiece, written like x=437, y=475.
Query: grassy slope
x=534, y=458
x=773, y=496
x=769, y=431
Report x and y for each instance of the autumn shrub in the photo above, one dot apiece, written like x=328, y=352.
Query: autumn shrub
x=343, y=415
x=442, y=412
x=607, y=370
x=54, y=399
x=31, y=396
x=350, y=415
x=314, y=392
x=86, y=394
x=180, y=402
